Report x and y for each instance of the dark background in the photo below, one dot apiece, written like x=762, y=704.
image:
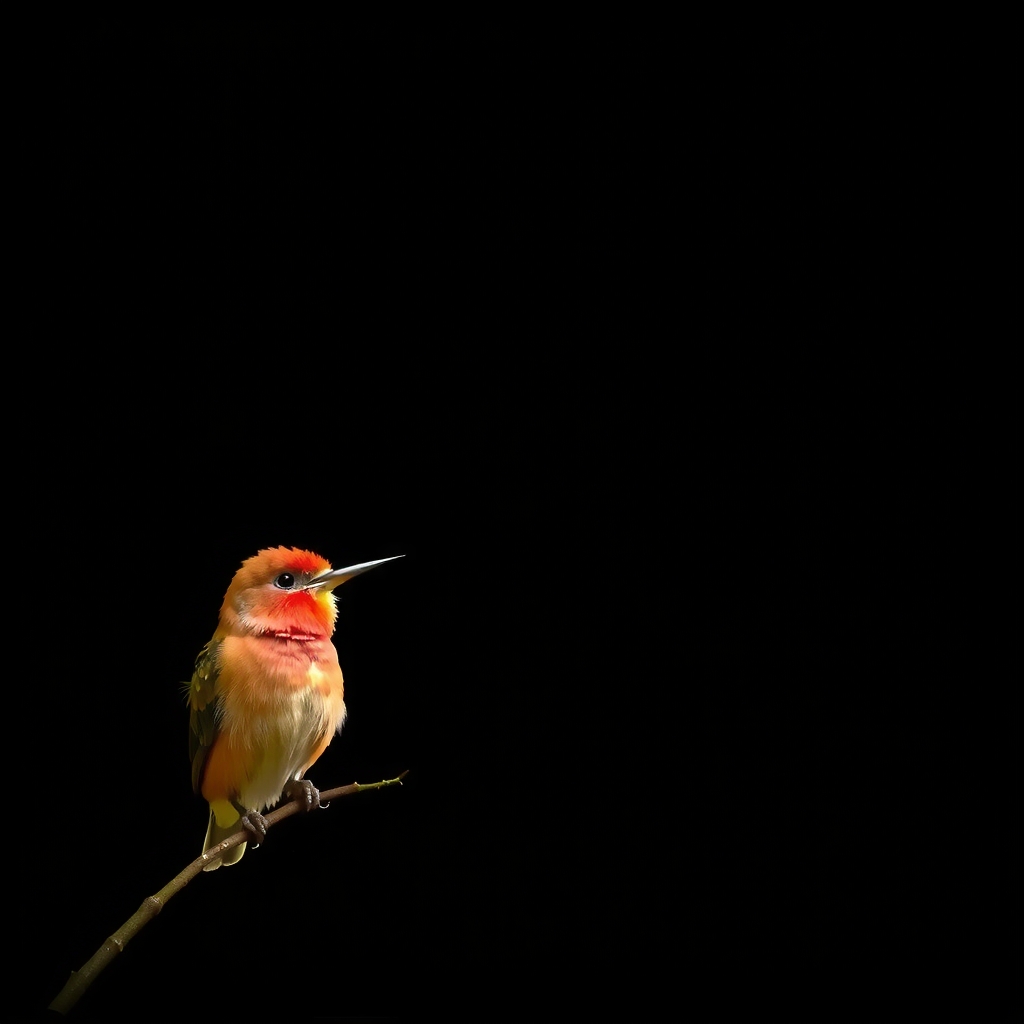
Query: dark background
x=697, y=726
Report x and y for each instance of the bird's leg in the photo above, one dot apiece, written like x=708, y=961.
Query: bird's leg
x=303, y=789
x=256, y=825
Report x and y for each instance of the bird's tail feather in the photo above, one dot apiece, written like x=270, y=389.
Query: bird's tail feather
x=214, y=835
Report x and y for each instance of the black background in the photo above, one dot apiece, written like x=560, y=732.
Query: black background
x=667, y=657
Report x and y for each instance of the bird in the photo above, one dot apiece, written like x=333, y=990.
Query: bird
x=267, y=695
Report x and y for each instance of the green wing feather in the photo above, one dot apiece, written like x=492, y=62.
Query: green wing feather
x=203, y=701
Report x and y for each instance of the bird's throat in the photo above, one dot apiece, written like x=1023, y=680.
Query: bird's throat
x=301, y=618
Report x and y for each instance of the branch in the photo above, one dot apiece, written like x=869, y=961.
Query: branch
x=152, y=905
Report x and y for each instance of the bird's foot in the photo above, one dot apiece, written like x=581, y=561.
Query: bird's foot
x=256, y=825
x=303, y=789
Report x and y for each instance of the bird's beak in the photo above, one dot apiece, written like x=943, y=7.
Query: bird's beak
x=334, y=578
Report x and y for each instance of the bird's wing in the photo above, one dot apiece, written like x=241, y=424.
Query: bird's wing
x=203, y=701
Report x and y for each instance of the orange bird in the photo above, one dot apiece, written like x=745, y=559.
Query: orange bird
x=267, y=695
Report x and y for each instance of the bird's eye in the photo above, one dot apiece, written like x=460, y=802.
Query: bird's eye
x=285, y=581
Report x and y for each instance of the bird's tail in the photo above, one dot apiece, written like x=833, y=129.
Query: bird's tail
x=217, y=834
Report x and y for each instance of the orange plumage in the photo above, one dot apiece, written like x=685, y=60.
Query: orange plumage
x=267, y=694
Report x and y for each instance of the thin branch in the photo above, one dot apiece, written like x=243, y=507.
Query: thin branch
x=152, y=905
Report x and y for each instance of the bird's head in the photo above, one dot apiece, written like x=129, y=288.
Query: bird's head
x=286, y=592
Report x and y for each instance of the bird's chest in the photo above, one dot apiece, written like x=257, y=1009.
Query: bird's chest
x=280, y=702
x=267, y=680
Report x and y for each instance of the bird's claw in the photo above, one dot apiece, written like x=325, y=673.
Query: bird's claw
x=303, y=789
x=256, y=825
